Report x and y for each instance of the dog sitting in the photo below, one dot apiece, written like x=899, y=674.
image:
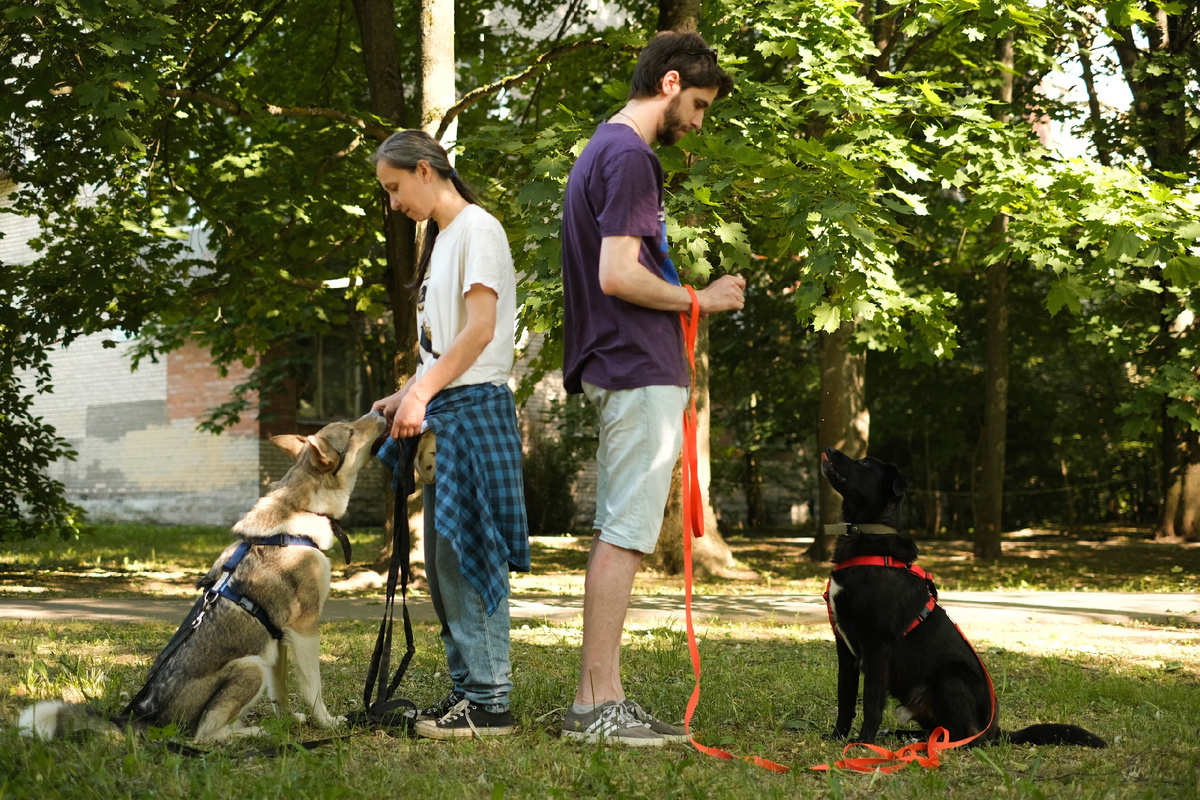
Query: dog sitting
x=889, y=627
x=263, y=592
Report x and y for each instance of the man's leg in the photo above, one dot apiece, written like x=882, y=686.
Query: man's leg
x=640, y=439
x=606, y=589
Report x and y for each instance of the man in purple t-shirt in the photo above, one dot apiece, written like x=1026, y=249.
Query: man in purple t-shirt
x=624, y=350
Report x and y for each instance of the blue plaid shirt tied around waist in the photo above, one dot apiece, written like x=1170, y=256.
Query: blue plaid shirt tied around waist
x=480, y=503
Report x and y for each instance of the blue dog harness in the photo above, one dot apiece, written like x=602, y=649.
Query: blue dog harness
x=224, y=587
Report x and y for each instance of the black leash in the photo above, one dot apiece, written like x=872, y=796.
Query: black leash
x=379, y=709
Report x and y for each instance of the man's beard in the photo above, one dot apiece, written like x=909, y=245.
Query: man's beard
x=671, y=130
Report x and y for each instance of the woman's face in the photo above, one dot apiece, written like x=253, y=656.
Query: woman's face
x=409, y=191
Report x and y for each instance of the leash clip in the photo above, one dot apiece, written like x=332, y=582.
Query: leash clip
x=210, y=597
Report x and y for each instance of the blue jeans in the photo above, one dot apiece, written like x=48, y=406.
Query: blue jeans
x=476, y=644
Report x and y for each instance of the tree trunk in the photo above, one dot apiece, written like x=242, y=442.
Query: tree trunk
x=1160, y=116
x=1189, y=506
x=437, y=67
x=1099, y=138
x=679, y=15
x=845, y=422
x=752, y=490
x=377, y=32
x=710, y=553
x=989, y=523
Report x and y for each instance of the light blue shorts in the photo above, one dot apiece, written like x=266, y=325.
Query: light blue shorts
x=641, y=434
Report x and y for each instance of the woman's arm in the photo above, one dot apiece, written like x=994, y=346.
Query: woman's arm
x=466, y=348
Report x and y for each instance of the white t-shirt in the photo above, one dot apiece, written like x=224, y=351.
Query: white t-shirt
x=473, y=249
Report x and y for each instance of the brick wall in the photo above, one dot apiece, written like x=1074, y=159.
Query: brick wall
x=137, y=460
x=194, y=386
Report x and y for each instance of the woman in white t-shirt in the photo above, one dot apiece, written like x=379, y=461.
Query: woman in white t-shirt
x=475, y=526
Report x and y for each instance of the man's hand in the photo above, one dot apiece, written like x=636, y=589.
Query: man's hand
x=726, y=293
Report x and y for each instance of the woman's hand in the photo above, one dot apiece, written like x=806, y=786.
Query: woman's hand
x=409, y=416
x=390, y=404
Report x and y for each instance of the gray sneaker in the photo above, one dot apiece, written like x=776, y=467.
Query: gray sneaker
x=610, y=722
x=671, y=733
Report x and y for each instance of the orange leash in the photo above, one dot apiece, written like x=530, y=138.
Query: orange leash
x=693, y=523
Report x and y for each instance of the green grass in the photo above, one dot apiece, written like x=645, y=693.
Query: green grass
x=123, y=560
x=768, y=690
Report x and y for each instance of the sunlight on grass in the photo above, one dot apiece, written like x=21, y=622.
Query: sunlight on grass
x=767, y=689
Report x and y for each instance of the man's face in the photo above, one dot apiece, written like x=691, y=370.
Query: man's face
x=685, y=113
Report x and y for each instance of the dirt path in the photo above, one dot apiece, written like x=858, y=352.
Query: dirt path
x=973, y=609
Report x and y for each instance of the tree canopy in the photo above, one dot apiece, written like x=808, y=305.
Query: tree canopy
x=853, y=175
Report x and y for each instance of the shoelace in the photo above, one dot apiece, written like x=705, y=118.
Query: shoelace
x=639, y=713
x=448, y=702
x=626, y=718
x=461, y=708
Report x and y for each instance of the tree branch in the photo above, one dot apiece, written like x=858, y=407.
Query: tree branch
x=477, y=94
x=929, y=35
x=369, y=128
x=1127, y=55
x=1089, y=80
x=267, y=19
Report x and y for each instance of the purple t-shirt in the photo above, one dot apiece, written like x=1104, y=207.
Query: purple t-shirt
x=616, y=189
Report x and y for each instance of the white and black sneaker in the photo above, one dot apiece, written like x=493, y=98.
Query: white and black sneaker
x=443, y=706
x=466, y=719
x=610, y=722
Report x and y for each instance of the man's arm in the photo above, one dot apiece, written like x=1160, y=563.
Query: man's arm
x=623, y=276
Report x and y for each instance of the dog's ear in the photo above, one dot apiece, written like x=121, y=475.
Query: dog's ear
x=324, y=453
x=899, y=484
x=290, y=443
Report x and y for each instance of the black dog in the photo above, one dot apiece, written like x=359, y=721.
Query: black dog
x=890, y=628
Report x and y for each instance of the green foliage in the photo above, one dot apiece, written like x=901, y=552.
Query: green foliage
x=199, y=174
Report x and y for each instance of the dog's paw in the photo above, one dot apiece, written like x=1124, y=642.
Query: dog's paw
x=299, y=716
x=328, y=721
x=245, y=730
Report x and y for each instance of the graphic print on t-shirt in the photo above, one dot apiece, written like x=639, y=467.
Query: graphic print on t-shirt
x=425, y=329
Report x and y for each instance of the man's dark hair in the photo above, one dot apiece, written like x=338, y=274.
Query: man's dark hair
x=686, y=53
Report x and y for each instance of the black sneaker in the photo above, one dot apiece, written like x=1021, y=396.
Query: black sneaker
x=466, y=719
x=452, y=698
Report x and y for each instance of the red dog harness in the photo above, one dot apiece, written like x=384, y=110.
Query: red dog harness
x=884, y=561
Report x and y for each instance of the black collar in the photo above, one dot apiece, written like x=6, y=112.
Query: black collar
x=340, y=535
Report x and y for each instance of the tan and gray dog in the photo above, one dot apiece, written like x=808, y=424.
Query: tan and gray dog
x=262, y=592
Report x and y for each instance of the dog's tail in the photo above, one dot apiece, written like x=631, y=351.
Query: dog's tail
x=1055, y=734
x=51, y=719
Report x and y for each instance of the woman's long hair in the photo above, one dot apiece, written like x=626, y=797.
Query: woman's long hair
x=403, y=150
